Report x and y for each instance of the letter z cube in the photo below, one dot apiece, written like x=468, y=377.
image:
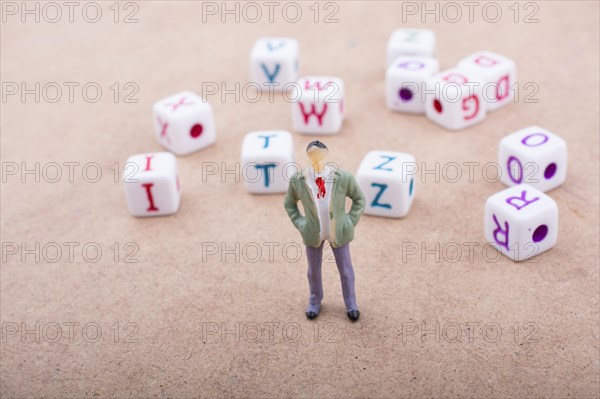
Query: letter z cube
x=388, y=181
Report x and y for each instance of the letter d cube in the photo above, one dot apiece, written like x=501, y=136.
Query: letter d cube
x=388, y=181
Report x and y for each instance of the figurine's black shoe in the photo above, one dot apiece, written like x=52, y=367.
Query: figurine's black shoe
x=311, y=315
x=353, y=314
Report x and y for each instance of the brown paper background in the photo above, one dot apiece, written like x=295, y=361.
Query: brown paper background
x=171, y=293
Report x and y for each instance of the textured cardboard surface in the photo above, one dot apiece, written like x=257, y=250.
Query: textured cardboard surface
x=228, y=328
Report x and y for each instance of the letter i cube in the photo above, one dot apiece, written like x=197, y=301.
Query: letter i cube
x=498, y=73
x=533, y=156
x=454, y=99
x=388, y=181
x=267, y=160
x=521, y=222
x=419, y=42
x=274, y=62
x=405, y=83
x=152, y=184
x=318, y=105
x=184, y=123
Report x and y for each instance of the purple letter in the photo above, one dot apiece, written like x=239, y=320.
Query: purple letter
x=535, y=144
x=522, y=198
x=504, y=232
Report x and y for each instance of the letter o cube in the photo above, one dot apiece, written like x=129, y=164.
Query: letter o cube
x=184, y=123
x=318, y=105
x=267, y=161
x=521, y=222
x=533, y=156
x=387, y=179
x=152, y=184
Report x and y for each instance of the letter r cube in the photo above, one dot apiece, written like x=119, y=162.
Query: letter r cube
x=152, y=184
x=388, y=181
x=521, y=222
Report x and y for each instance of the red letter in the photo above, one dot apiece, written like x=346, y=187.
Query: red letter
x=502, y=88
x=148, y=187
x=313, y=111
x=465, y=106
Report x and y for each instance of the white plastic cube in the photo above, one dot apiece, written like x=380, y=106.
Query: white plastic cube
x=274, y=62
x=521, y=222
x=498, y=73
x=387, y=179
x=533, y=156
x=184, y=123
x=267, y=161
x=454, y=99
x=405, y=81
x=152, y=184
x=410, y=42
x=318, y=105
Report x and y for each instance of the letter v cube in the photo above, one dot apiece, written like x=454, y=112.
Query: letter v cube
x=388, y=181
x=152, y=184
x=274, y=62
x=267, y=161
x=521, y=222
x=184, y=123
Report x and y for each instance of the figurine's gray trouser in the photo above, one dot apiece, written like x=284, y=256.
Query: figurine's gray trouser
x=344, y=265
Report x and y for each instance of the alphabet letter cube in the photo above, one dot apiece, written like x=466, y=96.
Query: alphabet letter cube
x=410, y=42
x=454, y=99
x=151, y=184
x=534, y=156
x=498, y=73
x=405, y=83
x=318, y=105
x=274, y=62
x=267, y=161
x=521, y=222
x=184, y=123
x=388, y=181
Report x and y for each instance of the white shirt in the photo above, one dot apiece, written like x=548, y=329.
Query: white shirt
x=322, y=203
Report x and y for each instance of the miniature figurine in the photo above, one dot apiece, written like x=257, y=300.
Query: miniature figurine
x=322, y=189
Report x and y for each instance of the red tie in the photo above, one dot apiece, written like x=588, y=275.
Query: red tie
x=321, y=184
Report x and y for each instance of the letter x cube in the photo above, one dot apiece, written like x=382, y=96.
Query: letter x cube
x=184, y=123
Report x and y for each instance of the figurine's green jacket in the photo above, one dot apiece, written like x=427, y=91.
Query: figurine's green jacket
x=342, y=223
